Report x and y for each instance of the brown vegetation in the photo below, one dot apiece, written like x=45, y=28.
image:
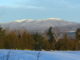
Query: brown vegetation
x=25, y=40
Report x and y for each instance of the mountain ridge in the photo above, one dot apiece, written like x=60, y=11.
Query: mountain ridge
x=41, y=24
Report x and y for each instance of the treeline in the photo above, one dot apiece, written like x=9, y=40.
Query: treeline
x=37, y=41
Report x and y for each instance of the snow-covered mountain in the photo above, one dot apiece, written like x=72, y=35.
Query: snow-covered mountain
x=41, y=25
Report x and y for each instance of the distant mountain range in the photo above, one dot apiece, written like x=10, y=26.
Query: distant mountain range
x=41, y=25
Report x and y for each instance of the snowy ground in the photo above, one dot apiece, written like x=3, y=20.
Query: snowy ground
x=43, y=55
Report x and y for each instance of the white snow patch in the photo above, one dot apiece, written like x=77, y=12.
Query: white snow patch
x=44, y=55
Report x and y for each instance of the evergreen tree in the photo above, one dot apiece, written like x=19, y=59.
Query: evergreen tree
x=78, y=34
x=50, y=35
x=2, y=36
x=38, y=41
x=51, y=38
x=78, y=39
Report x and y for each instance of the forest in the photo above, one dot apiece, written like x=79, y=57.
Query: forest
x=36, y=41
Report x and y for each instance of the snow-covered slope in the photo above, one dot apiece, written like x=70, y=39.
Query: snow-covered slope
x=40, y=25
x=43, y=55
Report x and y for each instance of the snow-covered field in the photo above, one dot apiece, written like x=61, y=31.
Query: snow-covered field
x=43, y=55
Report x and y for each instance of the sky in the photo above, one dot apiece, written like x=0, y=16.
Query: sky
x=11, y=10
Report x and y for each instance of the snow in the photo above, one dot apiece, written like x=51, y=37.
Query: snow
x=44, y=55
x=57, y=19
x=19, y=20
x=30, y=20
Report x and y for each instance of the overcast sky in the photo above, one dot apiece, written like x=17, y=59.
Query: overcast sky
x=39, y=9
